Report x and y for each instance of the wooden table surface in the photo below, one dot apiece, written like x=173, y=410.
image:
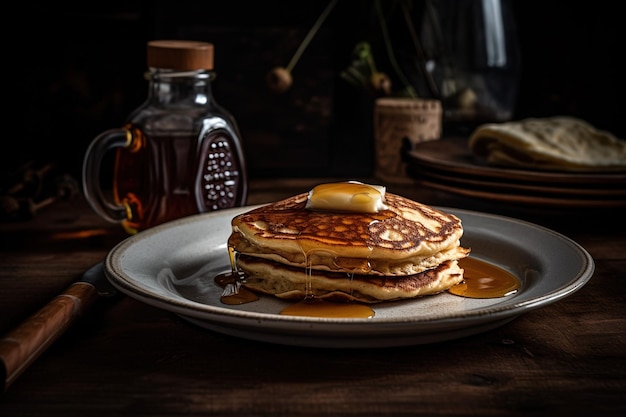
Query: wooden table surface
x=125, y=358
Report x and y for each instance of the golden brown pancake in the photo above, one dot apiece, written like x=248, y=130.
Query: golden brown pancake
x=405, y=250
x=408, y=237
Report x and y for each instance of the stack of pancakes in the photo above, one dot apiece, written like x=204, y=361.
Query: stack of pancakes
x=403, y=250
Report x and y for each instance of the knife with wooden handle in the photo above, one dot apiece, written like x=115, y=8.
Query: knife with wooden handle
x=20, y=347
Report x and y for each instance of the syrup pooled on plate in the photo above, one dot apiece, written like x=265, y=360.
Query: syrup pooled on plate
x=234, y=292
x=484, y=280
x=316, y=307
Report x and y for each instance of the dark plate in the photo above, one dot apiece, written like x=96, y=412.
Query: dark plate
x=452, y=155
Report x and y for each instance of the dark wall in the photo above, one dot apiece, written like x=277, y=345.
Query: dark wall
x=572, y=61
x=79, y=70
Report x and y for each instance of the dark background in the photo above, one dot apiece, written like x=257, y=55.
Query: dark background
x=76, y=70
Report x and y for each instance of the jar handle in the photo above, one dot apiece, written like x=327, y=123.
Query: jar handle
x=101, y=144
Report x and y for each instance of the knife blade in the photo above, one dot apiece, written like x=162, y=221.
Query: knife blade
x=22, y=345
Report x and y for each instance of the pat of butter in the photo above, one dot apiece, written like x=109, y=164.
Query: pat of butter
x=349, y=196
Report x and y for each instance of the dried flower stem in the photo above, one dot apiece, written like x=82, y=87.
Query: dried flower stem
x=310, y=35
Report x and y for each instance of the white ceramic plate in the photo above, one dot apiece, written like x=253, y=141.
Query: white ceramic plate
x=172, y=267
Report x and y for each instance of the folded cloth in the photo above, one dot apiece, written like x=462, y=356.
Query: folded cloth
x=558, y=143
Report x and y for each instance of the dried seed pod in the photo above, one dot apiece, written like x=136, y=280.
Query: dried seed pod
x=279, y=80
x=381, y=83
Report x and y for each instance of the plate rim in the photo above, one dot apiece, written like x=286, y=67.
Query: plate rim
x=454, y=146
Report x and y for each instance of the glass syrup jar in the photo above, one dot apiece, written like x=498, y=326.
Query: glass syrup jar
x=180, y=153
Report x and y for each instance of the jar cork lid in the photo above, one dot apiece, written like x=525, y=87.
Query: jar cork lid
x=180, y=55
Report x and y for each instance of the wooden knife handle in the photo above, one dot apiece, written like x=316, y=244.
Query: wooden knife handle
x=20, y=347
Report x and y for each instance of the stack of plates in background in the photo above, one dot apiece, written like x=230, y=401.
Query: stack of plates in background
x=449, y=165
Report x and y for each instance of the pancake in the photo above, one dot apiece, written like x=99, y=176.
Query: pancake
x=402, y=250
x=551, y=144
x=407, y=237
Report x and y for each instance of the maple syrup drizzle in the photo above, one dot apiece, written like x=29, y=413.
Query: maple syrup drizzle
x=234, y=293
x=484, y=280
x=312, y=306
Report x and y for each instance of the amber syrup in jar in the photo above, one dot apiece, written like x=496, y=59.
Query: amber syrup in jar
x=168, y=176
x=179, y=153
